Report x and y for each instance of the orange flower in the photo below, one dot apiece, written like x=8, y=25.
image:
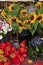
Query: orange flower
x=33, y=18
x=4, y=14
x=23, y=11
x=10, y=8
x=39, y=4
x=40, y=18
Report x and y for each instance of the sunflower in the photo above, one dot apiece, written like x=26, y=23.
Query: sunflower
x=4, y=14
x=21, y=28
x=10, y=8
x=27, y=15
x=9, y=20
x=15, y=19
x=33, y=18
x=39, y=4
x=40, y=18
x=26, y=22
x=23, y=11
x=28, y=26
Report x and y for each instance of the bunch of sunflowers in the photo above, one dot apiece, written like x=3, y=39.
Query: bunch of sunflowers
x=18, y=16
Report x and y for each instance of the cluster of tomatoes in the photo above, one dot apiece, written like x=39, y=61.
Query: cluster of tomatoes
x=10, y=55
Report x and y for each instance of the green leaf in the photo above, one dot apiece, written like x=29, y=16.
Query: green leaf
x=15, y=27
x=37, y=49
x=41, y=24
x=6, y=10
x=39, y=10
x=33, y=27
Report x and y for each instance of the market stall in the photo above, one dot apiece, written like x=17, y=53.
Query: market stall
x=21, y=33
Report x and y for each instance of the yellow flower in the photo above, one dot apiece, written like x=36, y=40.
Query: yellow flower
x=33, y=18
x=28, y=27
x=10, y=8
x=40, y=18
x=9, y=20
x=23, y=11
x=27, y=15
x=15, y=19
x=25, y=21
x=39, y=4
x=21, y=27
x=4, y=14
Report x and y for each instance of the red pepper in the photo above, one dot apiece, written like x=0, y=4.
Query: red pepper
x=16, y=61
x=13, y=49
x=7, y=53
x=22, y=49
x=39, y=64
x=8, y=48
x=24, y=54
x=8, y=43
x=3, y=45
x=1, y=63
x=21, y=58
x=22, y=44
x=8, y=63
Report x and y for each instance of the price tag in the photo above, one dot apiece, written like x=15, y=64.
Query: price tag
x=31, y=9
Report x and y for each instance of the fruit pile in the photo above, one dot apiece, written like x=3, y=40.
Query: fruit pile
x=10, y=55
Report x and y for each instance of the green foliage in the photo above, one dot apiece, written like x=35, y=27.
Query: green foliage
x=39, y=10
x=32, y=52
x=35, y=52
x=15, y=27
x=34, y=27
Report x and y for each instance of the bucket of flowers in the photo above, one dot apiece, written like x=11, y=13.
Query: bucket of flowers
x=21, y=18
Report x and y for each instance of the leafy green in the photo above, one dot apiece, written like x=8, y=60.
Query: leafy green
x=34, y=27
x=15, y=27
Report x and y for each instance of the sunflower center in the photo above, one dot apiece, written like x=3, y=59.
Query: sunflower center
x=12, y=8
x=23, y=12
x=32, y=17
x=38, y=6
x=20, y=24
x=14, y=20
x=28, y=22
x=39, y=18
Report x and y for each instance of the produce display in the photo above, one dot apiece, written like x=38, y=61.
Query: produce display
x=21, y=33
x=10, y=55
